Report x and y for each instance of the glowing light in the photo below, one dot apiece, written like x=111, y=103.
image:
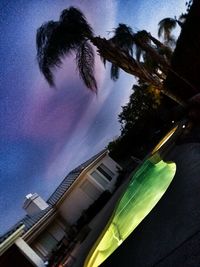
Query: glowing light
x=164, y=140
x=183, y=126
x=144, y=191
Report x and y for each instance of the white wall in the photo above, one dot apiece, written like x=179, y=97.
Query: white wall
x=29, y=253
x=113, y=166
x=48, y=239
x=78, y=200
x=83, y=195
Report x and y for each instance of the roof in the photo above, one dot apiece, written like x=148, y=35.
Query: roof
x=11, y=231
x=70, y=179
x=30, y=221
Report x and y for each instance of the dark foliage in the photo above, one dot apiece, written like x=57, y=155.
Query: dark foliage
x=143, y=121
x=186, y=57
x=48, y=44
x=93, y=209
x=85, y=64
x=75, y=22
x=114, y=72
x=55, y=40
x=123, y=38
x=166, y=26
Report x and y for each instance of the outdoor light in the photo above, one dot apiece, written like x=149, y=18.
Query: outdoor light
x=164, y=140
x=183, y=126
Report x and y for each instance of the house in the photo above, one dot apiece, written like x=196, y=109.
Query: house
x=48, y=225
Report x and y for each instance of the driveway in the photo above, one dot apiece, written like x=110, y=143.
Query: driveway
x=169, y=235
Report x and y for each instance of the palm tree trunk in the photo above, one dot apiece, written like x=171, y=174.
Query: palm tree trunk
x=152, y=52
x=126, y=62
x=123, y=60
x=159, y=44
x=160, y=59
x=168, y=67
x=165, y=91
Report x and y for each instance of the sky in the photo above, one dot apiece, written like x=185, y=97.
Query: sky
x=45, y=132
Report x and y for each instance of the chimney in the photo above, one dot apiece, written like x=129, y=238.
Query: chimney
x=34, y=203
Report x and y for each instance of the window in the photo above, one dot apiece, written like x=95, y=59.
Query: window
x=44, y=244
x=99, y=178
x=48, y=241
x=107, y=173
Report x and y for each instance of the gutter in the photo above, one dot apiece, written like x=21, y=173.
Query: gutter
x=11, y=239
x=84, y=171
x=39, y=226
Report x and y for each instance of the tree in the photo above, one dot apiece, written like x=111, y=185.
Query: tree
x=186, y=56
x=123, y=38
x=72, y=33
x=56, y=39
x=146, y=47
x=167, y=25
x=144, y=110
x=143, y=120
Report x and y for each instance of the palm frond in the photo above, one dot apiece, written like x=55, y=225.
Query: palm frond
x=114, y=72
x=166, y=51
x=166, y=26
x=103, y=60
x=138, y=53
x=54, y=40
x=44, y=45
x=76, y=23
x=123, y=38
x=149, y=63
x=85, y=64
x=140, y=37
x=53, y=43
x=172, y=41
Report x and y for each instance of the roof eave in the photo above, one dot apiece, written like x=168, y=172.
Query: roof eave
x=83, y=172
x=11, y=239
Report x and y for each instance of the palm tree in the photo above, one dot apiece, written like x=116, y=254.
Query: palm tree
x=167, y=25
x=123, y=38
x=56, y=39
x=156, y=56
x=72, y=34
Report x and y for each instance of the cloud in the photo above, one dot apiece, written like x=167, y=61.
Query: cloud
x=45, y=129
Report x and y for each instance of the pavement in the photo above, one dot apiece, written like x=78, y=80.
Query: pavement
x=170, y=235
x=97, y=225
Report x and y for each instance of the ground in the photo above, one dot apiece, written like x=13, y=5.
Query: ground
x=169, y=235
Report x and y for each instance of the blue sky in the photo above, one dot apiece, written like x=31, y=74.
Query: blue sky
x=46, y=132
